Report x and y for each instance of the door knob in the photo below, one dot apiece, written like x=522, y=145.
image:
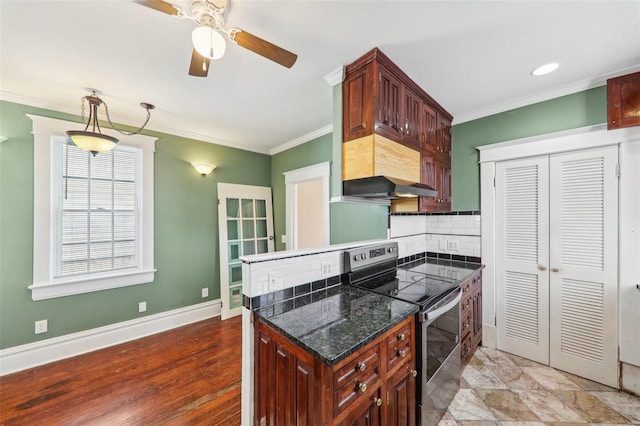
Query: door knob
x=556, y=269
x=542, y=267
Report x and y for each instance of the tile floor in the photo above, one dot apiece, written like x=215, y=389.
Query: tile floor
x=500, y=389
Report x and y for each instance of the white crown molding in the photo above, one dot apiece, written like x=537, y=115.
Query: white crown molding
x=39, y=103
x=302, y=139
x=569, y=89
x=335, y=77
x=21, y=357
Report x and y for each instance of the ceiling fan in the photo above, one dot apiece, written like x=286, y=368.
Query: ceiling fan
x=208, y=43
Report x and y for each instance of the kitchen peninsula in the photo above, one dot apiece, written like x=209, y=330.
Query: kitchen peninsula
x=327, y=352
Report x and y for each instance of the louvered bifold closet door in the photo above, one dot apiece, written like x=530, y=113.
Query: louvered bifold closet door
x=522, y=251
x=583, y=263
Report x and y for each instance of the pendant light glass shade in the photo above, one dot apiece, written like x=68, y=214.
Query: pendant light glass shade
x=208, y=42
x=90, y=141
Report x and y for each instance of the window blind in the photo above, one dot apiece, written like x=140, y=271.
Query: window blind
x=97, y=211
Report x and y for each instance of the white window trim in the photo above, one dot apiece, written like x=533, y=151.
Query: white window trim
x=44, y=219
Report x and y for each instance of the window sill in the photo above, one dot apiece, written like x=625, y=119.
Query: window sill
x=80, y=285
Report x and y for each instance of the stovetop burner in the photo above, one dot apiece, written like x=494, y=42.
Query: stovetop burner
x=374, y=268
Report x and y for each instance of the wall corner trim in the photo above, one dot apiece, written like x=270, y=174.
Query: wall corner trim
x=30, y=355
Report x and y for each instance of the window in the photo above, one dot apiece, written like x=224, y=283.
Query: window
x=93, y=215
x=96, y=203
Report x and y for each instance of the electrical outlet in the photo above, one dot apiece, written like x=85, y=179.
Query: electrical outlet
x=325, y=269
x=452, y=245
x=142, y=306
x=42, y=326
x=205, y=292
x=283, y=239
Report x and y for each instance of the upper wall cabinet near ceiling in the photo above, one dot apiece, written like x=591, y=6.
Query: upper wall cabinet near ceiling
x=623, y=101
x=379, y=98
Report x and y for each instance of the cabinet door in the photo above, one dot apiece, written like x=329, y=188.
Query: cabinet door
x=358, y=98
x=401, y=392
x=623, y=101
x=444, y=198
x=369, y=413
x=285, y=390
x=443, y=136
x=429, y=126
x=389, y=105
x=411, y=119
x=429, y=176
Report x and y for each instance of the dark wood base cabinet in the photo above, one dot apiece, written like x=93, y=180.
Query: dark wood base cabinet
x=471, y=316
x=374, y=386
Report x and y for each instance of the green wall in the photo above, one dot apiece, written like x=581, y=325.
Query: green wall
x=349, y=222
x=313, y=152
x=567, y=112
x=186, y=232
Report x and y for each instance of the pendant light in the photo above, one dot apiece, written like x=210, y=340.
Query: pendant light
x=93, y=140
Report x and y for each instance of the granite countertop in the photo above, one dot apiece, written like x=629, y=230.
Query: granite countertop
x=334, y=323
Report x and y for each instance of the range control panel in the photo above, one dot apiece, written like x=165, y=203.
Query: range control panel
x=363, y=257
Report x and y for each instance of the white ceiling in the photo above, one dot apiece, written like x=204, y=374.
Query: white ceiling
x=473, y=57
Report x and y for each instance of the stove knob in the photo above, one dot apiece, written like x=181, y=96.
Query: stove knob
x=356, y=257
x=391, y=249
x=363, y=256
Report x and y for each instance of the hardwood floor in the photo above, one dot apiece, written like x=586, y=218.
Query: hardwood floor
x=189, y=375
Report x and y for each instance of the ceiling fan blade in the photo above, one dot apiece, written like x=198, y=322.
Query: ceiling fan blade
x=199, y=66
x=263, y=47
x=160, y=6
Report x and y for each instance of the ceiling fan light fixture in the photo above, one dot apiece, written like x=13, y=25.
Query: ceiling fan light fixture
x=208, y=42
x=545, y=69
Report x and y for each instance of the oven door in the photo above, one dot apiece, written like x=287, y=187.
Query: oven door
x=440, y=372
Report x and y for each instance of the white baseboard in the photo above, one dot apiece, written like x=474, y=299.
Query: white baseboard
x=630, y=378
x=489, y=336
x=34, y=354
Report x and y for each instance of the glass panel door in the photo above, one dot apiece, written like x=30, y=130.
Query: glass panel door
x=246, y=228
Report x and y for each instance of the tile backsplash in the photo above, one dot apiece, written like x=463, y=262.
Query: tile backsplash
x=457, y=233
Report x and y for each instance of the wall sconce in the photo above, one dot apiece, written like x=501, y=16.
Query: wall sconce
x=204, y=169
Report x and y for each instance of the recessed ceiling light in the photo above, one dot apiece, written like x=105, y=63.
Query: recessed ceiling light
x=545, y=69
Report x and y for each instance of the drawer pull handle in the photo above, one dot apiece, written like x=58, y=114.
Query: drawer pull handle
x=402, y=337
x=362, y=366
x=362, y=386
x=402, y=353
x=414, y=373
x=378, y=401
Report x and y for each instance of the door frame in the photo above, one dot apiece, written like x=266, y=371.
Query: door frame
x=291, y=179
x=552, y=143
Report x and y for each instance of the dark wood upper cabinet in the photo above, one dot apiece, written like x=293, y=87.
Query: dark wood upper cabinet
x=379, y=98
x=623, y=101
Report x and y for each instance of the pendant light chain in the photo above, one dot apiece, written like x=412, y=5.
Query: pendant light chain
x=145, y=106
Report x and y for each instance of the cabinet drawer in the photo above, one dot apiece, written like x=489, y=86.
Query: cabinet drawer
x=465, y=306
x=356, y=378
x=400, y=344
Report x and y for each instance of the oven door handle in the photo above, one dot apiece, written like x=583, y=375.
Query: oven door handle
x=431, y=315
